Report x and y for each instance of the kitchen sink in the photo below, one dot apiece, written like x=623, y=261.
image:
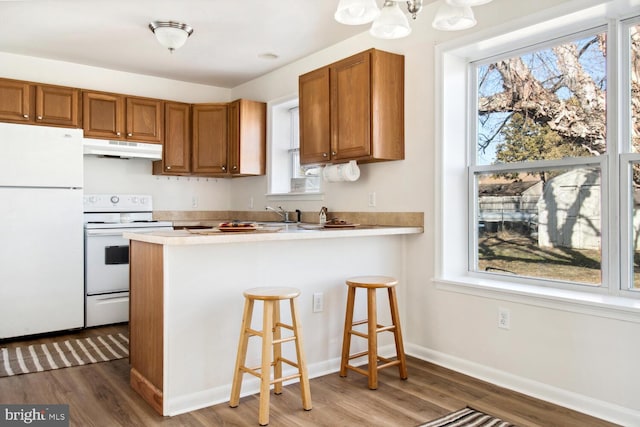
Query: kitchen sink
x=292, y=226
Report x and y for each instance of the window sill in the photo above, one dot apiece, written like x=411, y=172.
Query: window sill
x=295, y=196
x=612, y=307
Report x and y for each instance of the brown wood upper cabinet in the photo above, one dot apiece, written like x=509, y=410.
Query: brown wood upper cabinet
x=247, y=137
x=353, y=109
x=28, y=103
x=227, y=139
x=210, y=141
x=176, y=150
x=114, y=116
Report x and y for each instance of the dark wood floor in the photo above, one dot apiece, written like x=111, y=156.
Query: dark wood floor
x=99, y=395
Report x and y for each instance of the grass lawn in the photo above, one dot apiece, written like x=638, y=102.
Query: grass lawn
x=513, y=253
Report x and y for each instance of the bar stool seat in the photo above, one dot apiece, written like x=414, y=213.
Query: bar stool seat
x=372, y=284
x=272, y=341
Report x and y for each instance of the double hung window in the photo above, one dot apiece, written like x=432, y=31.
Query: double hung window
x=553, y=164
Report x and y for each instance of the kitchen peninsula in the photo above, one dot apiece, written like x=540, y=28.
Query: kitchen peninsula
x=186, y=301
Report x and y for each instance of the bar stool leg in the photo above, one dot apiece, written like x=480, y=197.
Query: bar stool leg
x=265, y=370
x=305, y=389
x=397, y=332
x=277, y=347
x=242, y=353
x=348, y=326
x=372, y=325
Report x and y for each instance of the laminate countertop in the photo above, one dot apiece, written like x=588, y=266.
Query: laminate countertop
x=269, y=232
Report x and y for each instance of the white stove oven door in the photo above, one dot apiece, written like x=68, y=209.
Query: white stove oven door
x=106, y=262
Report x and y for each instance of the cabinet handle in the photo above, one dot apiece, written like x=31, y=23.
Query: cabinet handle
x=333, y=153
x=117, y=133
x=224, y=168
x=168, y=168
x=26, y=116
x=39, y=117
x=324, y=154
x=129, y=134
x=235, y=167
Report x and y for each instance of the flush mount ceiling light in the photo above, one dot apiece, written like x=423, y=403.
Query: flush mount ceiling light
x=171, y=35
x=392, y=23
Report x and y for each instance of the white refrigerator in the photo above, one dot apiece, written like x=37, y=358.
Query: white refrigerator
x=41, y=230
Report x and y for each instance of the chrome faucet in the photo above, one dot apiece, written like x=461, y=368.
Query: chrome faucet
x=280, y=211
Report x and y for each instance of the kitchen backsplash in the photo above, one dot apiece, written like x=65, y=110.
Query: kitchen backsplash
x=366, y=218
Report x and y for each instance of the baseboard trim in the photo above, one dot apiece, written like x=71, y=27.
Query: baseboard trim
x=578, y=402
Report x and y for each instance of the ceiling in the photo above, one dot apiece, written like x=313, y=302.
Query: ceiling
x=227, y=46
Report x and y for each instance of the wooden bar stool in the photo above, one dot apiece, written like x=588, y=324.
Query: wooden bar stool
x=272, y=340
x=372, y=284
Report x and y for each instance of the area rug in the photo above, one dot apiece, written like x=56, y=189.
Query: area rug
x=467, y=417
x=63, y=354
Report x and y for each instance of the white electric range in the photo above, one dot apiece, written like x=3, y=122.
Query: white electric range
x=106, y=255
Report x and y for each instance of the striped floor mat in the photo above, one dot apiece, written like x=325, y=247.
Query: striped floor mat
x=64, y=354
x=467, y=417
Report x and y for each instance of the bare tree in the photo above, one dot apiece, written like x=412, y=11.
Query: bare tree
x=565, y=96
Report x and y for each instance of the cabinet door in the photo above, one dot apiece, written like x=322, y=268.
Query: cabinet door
x=247, y=137
x=144, y=119
x=176, y=150
x=57, y=106
x=103, y=115
x=315, y=124
x=15, y=97
x=351, y=107
x=209, y=155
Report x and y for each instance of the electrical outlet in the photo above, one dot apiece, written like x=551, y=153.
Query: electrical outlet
x=250, y=202
x=504, y=318
x=372, y=199
x=194, y=201
x=318, y=302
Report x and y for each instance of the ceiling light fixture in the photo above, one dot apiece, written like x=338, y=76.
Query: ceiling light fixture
x=388, y=23
x=453, y=18
x=392, y=23
x=356, y=12
x=171, y=35
x=470, y=3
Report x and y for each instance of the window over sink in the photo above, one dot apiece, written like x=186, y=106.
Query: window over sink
x=287, y=178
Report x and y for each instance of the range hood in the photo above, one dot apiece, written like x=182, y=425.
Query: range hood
x=122, y=149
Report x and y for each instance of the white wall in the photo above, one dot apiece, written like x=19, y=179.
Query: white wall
x=584, y=361
x=87, y=77
x=133, y=176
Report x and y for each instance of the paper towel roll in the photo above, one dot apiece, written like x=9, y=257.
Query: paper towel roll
x=342, y=172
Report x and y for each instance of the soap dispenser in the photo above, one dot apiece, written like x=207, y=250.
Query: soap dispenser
x=322, y=216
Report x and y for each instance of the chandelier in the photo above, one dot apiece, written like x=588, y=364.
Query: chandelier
x=391, y=22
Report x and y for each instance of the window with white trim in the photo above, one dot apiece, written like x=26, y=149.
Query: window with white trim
x=286, y=174
x=552, y=174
